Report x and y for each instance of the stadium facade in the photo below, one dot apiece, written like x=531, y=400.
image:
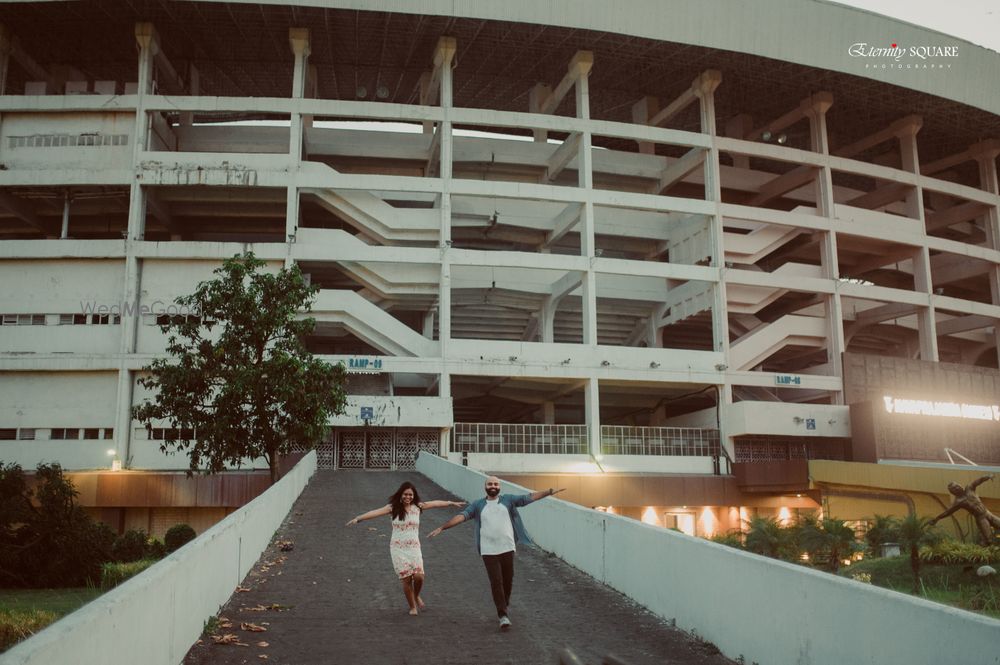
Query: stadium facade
x=618, y=239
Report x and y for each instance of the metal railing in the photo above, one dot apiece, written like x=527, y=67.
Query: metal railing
x=673, y=441
x=519, y=439
x=572, y=440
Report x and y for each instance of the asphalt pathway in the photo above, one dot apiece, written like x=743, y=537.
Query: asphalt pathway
x=334, y=598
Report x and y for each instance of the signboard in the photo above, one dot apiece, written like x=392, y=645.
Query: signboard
x=787, y=380
x=922, y=407
x=364, y=365
x=367, y=412
x=810, y=423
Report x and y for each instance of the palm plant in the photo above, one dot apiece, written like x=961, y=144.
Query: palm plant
x=765, y=535
x=915, y=532
x=828, y=538
x=884, y=529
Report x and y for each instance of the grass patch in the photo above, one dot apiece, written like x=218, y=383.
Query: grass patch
x=114, y=573
x=24, y=612
x=950, y=584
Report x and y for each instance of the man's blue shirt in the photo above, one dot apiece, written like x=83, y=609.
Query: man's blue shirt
x=511, y=502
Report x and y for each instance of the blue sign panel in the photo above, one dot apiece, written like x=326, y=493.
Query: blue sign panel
x=810, y=423
x=367, y=412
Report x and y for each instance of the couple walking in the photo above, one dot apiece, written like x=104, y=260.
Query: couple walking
x=498, y=530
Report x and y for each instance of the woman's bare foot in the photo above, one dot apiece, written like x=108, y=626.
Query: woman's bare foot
x=413, y=612
x=420, y=602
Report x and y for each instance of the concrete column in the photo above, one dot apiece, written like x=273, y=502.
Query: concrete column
x=123, y=412
x=299, y=42
x=193, y=89
x=549, y=413
x=6, y=46
x=642, y=111
x=580, y=67
x=65, y=216
x=815, y=109
x=922, y=280
x=444, y=55
x=547, y=321
x=738, y=127
x=592, y=415
x=536, y=98
x=987, y=161
x=704, y=88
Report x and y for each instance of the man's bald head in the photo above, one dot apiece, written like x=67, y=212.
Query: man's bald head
x=492, y=486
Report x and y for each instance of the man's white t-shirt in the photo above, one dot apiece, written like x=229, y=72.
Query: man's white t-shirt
x=496, y=533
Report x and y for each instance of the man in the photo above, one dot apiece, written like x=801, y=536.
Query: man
x=498, y=530
x=965, y=497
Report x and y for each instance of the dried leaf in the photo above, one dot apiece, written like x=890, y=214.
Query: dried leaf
x=259, y=608
x=229, y=638
x=252, y=627
x=262, y=656
x=242, y=589
x=263, y=644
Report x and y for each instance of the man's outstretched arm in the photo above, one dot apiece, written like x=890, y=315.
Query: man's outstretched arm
x=454, y=521
x=541, y=494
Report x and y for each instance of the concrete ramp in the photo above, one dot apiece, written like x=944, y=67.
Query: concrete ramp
x=372, y=324
x=339, y=601
x=377, y=219
x=762, y=342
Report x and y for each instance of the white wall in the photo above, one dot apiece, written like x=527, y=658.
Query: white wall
x=96, y=157
x=393, y=411
x=760, y=609
x=59, y=286
x=58, y=399
x=155, y=617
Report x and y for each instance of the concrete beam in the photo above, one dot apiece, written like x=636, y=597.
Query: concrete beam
x=708, y=79
x=444, y=54
x=816, y=103
x=910, y=124
x=679, y=169
x=563, y=155
x=782, y=184
x=961, y=324
x=579, y=66
x=564, y=223
x=963, y=212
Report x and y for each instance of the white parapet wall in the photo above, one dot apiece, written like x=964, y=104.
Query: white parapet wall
x=156, y=616
x=752, y=607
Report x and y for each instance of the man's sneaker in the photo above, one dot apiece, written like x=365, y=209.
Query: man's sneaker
x=504, y=623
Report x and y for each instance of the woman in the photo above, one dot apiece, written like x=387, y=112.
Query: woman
x=405, y=507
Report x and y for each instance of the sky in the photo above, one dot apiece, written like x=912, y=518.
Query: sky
x=976, y=21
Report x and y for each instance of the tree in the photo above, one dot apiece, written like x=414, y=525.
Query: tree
x=46, y=538
x=884, y=529
x=914, y=533
x=239, y=382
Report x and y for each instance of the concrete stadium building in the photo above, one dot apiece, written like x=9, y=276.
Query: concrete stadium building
x=673, y=256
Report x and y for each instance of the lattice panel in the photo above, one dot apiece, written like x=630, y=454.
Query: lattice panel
x=429, y=441
x=326, y=457
x=379, y=451
x=351, y=450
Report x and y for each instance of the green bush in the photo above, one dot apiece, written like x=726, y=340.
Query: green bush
x=177, y=536
x=155, y=549
x=731, y=539
x=114, y=573
x=130, y=546
x=16, y=625
x=955, y=551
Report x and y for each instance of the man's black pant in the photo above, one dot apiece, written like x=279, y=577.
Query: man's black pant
x=500, y=568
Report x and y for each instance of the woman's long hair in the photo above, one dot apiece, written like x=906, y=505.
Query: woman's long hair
x=396, y=500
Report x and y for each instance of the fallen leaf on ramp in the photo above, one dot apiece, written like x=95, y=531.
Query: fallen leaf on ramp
x=229, y=638
x=252, y=627
x=263, y=644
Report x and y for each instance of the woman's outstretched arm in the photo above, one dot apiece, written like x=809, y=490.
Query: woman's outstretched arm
x=378, y=512
x=427, y=505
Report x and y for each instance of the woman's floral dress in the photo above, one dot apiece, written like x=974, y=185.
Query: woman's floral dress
x=404, y=546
